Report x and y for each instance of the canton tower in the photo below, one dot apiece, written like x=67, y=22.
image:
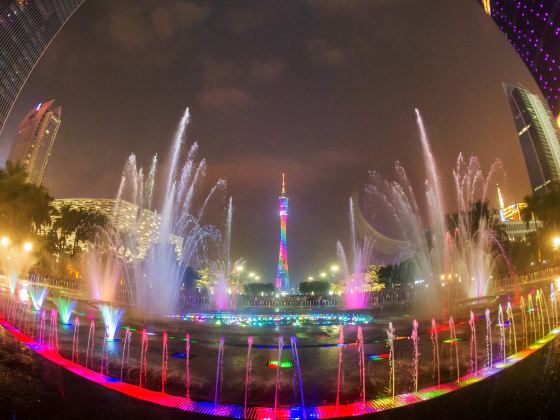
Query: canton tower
x=282, y=276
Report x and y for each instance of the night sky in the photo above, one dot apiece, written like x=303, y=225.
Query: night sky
x=322, y=90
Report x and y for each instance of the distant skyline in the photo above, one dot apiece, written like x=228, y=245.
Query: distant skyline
x=321, y=90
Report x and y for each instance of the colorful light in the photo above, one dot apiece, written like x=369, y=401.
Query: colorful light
x=284, y=364
x=282, y=276
x=378, y=356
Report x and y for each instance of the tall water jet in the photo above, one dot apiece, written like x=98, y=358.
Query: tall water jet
x=511, y=320
x=390, y=343
x=524, y=322
x=248, y=370
x=295, y=357
x=104, y=369
x=90, y=343
x=454, y=344
x=435, y=350
x=75, y=341
x=489, y=357
x=502, y=334
x=415, y=354
x=474, y=349
x=164, y=362
x=361, y=363
x=143, y=377
x=278, y=369
x=219, y=370
x=53, y=332
x=339, y=374
x=125, y=350
x=188, y=365
x=532, y=317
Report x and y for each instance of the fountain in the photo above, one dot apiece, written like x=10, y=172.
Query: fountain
x=183, y=238
x=355, y=276
x=38, y=295
x=460, y=249
x=65, y=308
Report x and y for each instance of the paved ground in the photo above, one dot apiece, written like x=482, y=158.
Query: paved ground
x=31, y=388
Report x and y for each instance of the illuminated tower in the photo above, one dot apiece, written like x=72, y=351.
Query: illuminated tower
x=282, y=276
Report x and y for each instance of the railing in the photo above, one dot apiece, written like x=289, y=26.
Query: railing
x=536, y=276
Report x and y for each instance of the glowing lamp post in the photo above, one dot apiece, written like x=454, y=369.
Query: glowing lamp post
x=556, y=242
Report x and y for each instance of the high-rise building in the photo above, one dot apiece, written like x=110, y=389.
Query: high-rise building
x=282, y=275
x=533, y=29
x=35, y=139
x=539, y=137
x=27, y=27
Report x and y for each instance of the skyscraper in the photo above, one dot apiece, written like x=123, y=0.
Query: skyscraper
x=35, y=139
x=539, y=137
x=533, y=29
x=282, y=276
x=27, y=27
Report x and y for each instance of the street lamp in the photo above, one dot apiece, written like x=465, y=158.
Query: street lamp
x=556, y=242
x=251, y=275
x=310, y=278
x=5, y=241
x=27, y=246
x=334, y=268
x=323, y=275
x=239, y=268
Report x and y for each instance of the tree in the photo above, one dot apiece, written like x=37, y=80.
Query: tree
x=24, y=207
x=317, y=287
x=76, y=226
x=544, y=207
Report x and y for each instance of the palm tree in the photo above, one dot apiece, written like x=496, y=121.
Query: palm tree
x=545, y=207
x=79, y=224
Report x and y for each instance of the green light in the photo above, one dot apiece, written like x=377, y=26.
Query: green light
x=284, y=364
x=453, y=340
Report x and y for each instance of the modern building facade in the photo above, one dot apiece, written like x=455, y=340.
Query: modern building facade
x=282, y=274
x=27, y=27
x=35, y=140
x=539, y=136
x=125, y=217
x=533, y=29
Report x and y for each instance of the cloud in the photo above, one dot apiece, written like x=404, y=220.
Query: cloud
x=170, y=18
x=336, y=8
x=247, y=19
x=323, y=54
x=255, y=170
x=148, y=23
x=267, y=70
x=228, y=84
x=223, y=97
